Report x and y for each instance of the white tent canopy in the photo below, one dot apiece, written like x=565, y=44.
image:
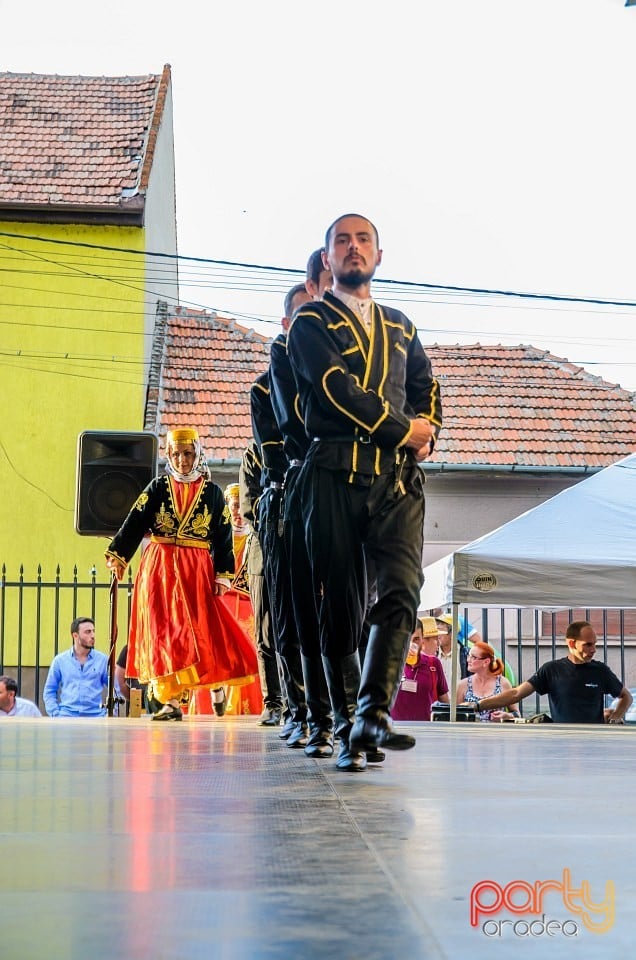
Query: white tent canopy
x=577, y=549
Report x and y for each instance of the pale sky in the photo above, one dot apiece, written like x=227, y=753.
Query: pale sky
x=491, y=142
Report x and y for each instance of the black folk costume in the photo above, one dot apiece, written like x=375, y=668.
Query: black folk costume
x=270, y=443
x=181, y=635
x=362, y=494
x=297, y=596
x=250, y=491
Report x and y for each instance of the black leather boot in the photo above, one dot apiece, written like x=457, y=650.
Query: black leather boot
x=319, y=713
x=343, y=680
x=296, y=702
x=294, y=684
x=383, y=664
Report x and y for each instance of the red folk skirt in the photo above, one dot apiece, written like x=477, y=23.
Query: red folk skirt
x=181, y=634
x=246, y=700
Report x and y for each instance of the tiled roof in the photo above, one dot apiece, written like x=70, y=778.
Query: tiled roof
x=202, y=370
x=503, y=406
x=523, y=407
x=77, y=140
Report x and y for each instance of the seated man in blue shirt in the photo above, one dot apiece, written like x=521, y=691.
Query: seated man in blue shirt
x=77, y=677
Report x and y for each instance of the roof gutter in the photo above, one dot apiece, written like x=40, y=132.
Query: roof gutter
x=128, y=212
x=506, y=468
x=463, y=468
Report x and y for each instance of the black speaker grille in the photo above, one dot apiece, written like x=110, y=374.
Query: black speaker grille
x=112, y=470
x=110, y=497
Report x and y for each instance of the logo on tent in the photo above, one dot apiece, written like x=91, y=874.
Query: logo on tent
x=485, y=582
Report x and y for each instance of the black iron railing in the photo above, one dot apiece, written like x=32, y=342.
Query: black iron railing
x=35, y=617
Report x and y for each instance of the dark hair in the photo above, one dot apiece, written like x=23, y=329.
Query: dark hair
x=75, y=625
x=573, y=631
x=342, y=217
x=289, y=299
x=315, y=266
x=9, y=683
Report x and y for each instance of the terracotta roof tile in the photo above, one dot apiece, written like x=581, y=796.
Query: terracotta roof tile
x=521, y=406
x=203, y=376
x=75, y=139
x=503, y=406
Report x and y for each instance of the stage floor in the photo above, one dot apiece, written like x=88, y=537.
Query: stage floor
x=212, y=840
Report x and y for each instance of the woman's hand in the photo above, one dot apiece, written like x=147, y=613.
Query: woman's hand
x=502, y=716
x=116, y=567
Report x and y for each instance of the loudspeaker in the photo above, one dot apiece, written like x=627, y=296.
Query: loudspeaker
x=112, y=470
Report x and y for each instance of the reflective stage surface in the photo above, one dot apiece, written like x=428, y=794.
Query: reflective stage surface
x=211, y=839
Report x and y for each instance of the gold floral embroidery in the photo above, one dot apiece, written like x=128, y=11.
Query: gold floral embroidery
x=201, y=522
x=141, y=501
x=227, y=516
x=164, y=521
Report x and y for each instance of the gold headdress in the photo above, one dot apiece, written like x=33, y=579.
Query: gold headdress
x=182, y=435
x=232, y=490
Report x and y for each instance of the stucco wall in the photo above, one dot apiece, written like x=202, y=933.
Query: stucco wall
x=461, y=507
x=71, y=321
x=161, y=226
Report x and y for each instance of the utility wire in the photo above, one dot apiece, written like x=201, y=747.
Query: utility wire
x=295, y=271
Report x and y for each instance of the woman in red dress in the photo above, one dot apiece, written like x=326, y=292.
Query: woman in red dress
x=182, y=637
x=248, y=699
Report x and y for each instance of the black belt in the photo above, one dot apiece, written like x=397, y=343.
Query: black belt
x=358, y=438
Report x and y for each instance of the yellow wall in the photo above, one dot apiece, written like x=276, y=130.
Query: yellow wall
x=71, y=359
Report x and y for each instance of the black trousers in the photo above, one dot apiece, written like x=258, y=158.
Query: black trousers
x=277, y=572
x=276, y=567
x=268, y=670
x=304, y=599
x=377, y=517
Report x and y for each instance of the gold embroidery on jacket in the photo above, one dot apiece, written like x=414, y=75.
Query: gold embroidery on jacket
x=164, y=521
x=141, y=502
x=201, y=523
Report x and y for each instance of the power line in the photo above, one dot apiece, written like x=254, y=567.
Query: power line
x=294, y=271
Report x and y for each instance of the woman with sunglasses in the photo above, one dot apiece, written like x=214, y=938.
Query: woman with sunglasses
x=485, y=679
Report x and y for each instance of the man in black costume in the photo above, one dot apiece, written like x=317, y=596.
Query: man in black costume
x=371, y=407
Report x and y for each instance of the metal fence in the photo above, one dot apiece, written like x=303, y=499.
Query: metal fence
x=527, y=638
x=35, y=617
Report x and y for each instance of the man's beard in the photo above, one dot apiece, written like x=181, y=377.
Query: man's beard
x=354, y=278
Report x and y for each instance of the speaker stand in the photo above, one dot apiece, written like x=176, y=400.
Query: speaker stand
x=110, y=700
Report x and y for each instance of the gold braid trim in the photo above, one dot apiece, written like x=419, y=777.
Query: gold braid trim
x=180, y=542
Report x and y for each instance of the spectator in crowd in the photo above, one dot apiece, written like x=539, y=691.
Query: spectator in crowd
x=467, y=635
x=77, y=677
x=466, y=630
x=11, y=705
x=576, y=685
x=485, y=679
x=423, y=681
x=445, y=648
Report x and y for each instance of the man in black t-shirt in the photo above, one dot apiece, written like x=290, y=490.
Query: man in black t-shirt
x=576, y=685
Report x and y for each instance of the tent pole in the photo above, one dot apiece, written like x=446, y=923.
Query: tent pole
x=454, y=664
